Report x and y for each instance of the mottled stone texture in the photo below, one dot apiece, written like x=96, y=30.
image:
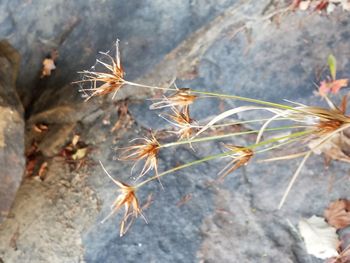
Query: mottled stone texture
x=233, y=47
x=11, y=129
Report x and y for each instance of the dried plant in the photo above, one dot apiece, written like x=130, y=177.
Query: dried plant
x=240, y=156
x=182, y=98
x=183, y=122
x=128, y=199
x=311, y=129
x=111, y=79
x=146, y=151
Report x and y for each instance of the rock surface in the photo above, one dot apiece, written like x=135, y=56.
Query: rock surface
x=11, y=129
x=232, y=47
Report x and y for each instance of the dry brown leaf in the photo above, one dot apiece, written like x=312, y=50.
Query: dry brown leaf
x=335, y=148
x=332, y=86
x=42, y=170
x=48, y=66
x=338, y=213
x=39, y=128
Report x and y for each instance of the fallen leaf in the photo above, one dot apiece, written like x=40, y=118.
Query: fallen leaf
x=79, y=154
x=338, y=213
x=346, y=5
x=304, y=5
x=332, y=86
x=320, y=238
x=42, y=170
x=336, y=85
x=330, y=8
x=30, y=166
x=337, y=147
x=75, y=140
x=39, y=128
x=295, y=4
x=322, y=5
x=48, y=66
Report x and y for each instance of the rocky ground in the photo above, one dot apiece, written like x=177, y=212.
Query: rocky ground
x=249, y=48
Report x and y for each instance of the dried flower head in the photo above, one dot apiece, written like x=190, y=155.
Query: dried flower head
x=128, y=199
x=325, y=120
x=102, y=83
x=182, y=98
x=147, y=151
x=183, y=121
x=240, y=156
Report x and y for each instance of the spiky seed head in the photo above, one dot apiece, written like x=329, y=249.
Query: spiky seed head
x=240, y=156
x=146, y=151
x=184, y=123
x=111, y=79
x=127, y=199
x=182, y=98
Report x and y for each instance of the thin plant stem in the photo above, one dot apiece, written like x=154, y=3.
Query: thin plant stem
x=281, y=144
x=256, y=101
x=295, y=176
x=220, y=155
x=219, y=95
x=216, y=137
x=239, y=122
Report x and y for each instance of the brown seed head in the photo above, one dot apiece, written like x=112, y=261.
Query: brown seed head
x=328, y=126
x=240, y=156
x=183, y=121
x=147, y=151
x=182, y=98
x=104, y=82
x=127, y=199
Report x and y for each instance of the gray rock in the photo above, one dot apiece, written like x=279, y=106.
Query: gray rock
x=232, y=47
x=12, y=161
x=79, y=29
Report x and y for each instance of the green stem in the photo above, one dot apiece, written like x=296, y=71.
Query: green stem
x=225, y=154
x=240, y=122
x=214, y=94
x=256, y=101
x=292, y=135
x=212, y=138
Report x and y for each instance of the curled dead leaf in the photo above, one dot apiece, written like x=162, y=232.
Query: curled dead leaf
x=338, y=213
